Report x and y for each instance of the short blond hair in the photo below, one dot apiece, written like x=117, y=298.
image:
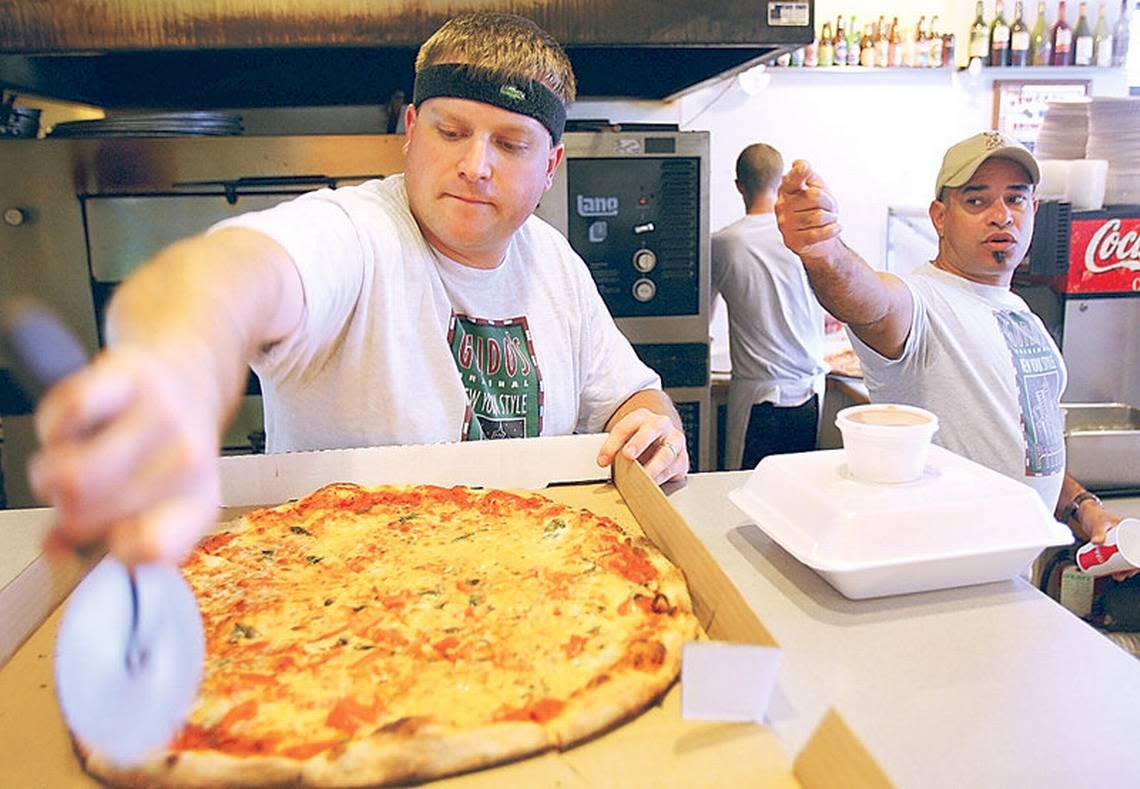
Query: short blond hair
x=759, y=167
x=504, y=44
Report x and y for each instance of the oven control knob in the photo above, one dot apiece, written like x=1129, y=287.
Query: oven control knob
x=644, y=260
x=644, y=289
x=14, y=216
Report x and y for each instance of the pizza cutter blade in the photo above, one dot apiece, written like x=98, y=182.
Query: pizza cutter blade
x=128, y=659
x=130, y=647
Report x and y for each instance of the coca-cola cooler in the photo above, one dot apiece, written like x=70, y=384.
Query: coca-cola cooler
x=1082, y=277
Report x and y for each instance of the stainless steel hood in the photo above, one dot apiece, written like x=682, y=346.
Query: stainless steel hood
x=189, y=54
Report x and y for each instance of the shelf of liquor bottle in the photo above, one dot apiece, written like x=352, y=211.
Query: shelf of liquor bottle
x=996, y=72
x=1045, y=72
x=855, y=70
x=896, y=74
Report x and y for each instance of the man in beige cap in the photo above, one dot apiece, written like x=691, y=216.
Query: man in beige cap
x=951, y=337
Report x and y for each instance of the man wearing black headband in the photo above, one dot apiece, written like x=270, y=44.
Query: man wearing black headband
x=429, y=306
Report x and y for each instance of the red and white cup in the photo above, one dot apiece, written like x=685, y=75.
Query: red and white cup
x=1120, y=551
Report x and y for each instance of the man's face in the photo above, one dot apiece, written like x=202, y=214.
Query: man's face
x=474, y=173
x=985, y=225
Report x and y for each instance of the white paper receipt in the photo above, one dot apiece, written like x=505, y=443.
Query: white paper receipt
x=727, y=682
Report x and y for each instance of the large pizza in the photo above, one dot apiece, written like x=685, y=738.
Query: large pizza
x=363, y=636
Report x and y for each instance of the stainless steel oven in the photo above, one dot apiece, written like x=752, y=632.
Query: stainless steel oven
x=80, y=214
x=633, y=202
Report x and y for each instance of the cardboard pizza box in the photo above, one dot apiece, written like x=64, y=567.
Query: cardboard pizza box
x=656, y=748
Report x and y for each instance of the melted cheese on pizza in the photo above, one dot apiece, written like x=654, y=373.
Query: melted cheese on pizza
x=354, y=608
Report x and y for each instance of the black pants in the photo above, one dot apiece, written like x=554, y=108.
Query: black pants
x=777, y=431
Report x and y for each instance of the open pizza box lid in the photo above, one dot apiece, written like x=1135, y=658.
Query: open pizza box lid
x=692, y=752
x=518, y=464
x=960, y=523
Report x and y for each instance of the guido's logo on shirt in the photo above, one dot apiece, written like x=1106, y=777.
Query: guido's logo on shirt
x=497, y=366
x=597, y=206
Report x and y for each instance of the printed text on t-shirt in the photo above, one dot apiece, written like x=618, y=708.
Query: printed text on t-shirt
x=496, y=363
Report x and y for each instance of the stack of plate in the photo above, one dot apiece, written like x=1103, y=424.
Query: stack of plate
x=157, y=124
x=1114, y=134
x=1064, y=130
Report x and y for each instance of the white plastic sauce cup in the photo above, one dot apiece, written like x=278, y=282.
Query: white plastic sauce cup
x=1120, y=551
x=885, y=442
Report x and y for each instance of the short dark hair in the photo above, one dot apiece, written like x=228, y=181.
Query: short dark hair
x=759, y=167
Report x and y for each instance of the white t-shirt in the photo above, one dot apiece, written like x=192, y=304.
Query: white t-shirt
x=986, y=366
x=775, y=338
x=400, y=345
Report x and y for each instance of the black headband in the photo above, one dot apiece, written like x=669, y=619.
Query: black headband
x=463, y=81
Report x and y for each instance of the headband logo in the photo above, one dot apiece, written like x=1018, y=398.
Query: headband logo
x=511, y=92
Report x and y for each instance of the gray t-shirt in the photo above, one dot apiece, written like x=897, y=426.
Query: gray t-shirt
x=775, y=324
x=400, y=345
x=981, y=361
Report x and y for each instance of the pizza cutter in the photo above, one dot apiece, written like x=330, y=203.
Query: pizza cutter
x=129, y=654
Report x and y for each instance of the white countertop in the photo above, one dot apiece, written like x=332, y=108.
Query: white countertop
x=986, y=686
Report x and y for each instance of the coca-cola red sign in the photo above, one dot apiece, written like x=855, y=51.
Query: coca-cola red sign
x=1104, y=255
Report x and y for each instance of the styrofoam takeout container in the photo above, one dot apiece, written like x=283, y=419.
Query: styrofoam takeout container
x=959, y=524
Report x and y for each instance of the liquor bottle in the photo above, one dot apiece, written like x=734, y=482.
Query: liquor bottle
x=921, y=44
x=882, y=44
x=895, y=45
x=797, y=57
x=999, y=37
x=1120, y=36
x=949, y=51
x=1062, y=38
x=1102, y=40
x=1040, y=45
x=811, y=55
x=867, y=47
x=839, y=43
x=825, y=49
x=980, y=37
x=936, y=53
x=854, y=49
x=1018, y=38
x=1082, y=38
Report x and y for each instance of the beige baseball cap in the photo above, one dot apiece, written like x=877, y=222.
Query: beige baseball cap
x=964, y=158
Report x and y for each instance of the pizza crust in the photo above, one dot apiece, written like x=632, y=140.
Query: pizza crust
x=428, y=751
x=199, y=769
x=614, y=700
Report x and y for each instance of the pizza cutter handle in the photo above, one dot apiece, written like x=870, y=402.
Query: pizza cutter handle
x=41, y=350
